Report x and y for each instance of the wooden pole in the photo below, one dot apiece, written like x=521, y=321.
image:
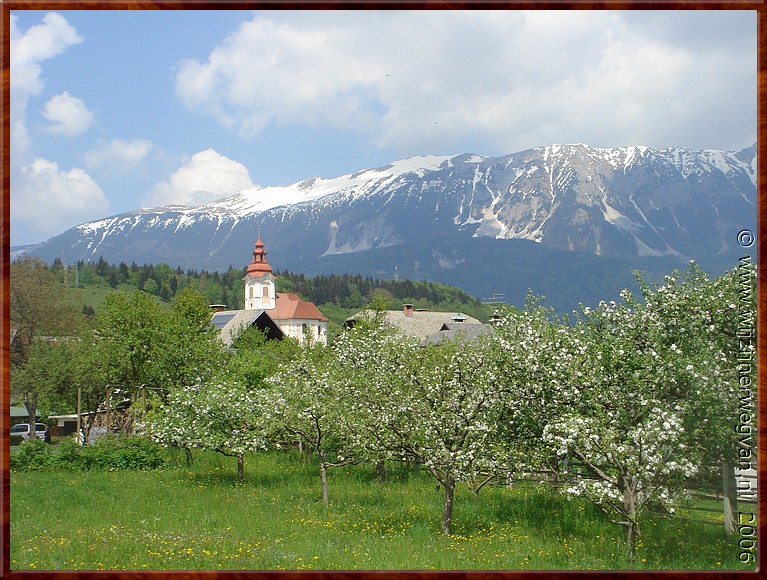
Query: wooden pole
x=109, y=408
x=79, y=415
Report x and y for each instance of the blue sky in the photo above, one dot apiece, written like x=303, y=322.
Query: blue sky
x=116, y=110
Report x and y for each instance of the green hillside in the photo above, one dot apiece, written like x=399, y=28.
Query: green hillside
x=337, y=296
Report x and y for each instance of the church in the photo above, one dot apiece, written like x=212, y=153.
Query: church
x=279, y=314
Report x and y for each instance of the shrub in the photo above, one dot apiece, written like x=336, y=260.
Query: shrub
x=122, y=453
x=31, y=456
x=135, y=453
x=69, y=455
x=16, y=440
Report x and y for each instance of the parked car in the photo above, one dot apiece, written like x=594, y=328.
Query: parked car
x=41, y=430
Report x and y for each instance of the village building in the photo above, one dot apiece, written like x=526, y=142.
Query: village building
x=280, y=314
x=429, y=326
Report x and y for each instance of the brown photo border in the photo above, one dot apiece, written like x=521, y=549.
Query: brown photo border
x=761, y=246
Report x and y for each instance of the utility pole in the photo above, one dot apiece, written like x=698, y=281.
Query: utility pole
x=80, y=438
x=109, y=407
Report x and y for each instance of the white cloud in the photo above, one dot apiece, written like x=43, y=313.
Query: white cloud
x=118, y=156
x=426, y=81
x=47, y=200
x=206, y=177
x=44, y=199
x=27, y=50
x=38, y=43
x=69, y=115
x=268, y=71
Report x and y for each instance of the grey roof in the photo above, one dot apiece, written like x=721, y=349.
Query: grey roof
x=19, y=412
x=231, y=323
x=422, y=324
x=460, y=331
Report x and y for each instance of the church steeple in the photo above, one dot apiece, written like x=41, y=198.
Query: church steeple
x=259, y=281
x=259, y=265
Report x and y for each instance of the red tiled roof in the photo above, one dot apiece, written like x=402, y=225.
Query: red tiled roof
x=289, y=305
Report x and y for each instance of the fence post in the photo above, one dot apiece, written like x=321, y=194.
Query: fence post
x=730, y=493
x=79, y=433
x=109, y=408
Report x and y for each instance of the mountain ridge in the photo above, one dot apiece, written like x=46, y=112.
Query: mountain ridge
x=622, y=202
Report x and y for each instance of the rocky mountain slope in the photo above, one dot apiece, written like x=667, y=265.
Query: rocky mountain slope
x=620, y=203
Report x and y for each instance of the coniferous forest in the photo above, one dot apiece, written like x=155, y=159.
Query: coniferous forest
x=336, y=295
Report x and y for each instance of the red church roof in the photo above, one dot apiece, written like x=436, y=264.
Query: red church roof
x=289, y=305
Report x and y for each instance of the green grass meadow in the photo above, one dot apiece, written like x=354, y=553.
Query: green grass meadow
x=200, y=518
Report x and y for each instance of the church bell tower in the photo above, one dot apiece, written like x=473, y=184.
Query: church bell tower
x=260, y=292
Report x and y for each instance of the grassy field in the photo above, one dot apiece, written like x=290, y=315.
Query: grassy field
x=199, y=517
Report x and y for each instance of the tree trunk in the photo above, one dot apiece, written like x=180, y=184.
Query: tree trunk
x=240, y=468
x=474, y=487
x=632, y=525
x=632, y=531
x=324, y=480
x=188, y=453
x=447, y=511
x=381, y=471
x=32, y=412
x=729, y=490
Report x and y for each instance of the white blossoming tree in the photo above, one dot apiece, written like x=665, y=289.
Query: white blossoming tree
x=223, y=416
x=648, y=383
x=538, y=358
x=438, y=404
x=715, y=319
x=631, y=467
x=306, y=403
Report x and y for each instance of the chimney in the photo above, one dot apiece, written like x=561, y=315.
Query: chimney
x=407, y=310
x=217, y=307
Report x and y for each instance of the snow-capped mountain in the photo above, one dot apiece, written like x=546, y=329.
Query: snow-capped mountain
x=619, y=202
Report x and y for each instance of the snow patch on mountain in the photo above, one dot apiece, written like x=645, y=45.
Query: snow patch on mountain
x=621, y=200
x=347, y=187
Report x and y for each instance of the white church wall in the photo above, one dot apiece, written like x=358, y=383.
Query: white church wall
x=317, y=331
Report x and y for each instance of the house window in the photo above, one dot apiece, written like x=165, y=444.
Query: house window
x=266, y=295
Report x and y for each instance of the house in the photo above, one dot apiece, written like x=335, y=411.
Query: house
x=428, y=326
x=279, y=314
x=114, y=415
x=20, y=415
x=460, y=331
x=231, y=323
x=92, y=425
